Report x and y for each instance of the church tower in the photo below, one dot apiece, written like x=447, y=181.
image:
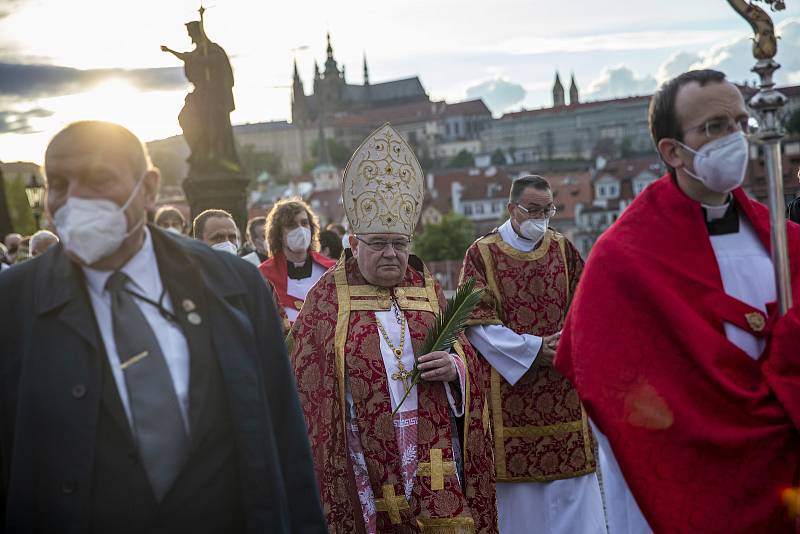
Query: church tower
x=366, y=71
x=558, y=92
x=299, y=110
x=573, y=92
x=332, y=80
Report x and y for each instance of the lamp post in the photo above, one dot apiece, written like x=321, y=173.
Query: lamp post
x=767, y=104
x=34, y=189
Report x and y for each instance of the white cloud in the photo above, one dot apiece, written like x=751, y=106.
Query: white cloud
x=734, y=58
x=676, y=64
x=619, y=81
x=498, y=94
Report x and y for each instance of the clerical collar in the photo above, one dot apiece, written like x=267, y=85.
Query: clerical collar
x=511, y=237
x=723, y=219
x=298, y=273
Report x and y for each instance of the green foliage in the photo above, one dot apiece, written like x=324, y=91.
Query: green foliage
x=340, y=154
x=462, y=159
x=255, y=162
x=448, y=327
x=498, y=157
x=448, y=240
x=21, y=216
x=171, y=165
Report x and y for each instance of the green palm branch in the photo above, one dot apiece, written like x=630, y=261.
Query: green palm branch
x=448, y=327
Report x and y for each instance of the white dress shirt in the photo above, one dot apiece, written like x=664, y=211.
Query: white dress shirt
x=145, y=280
x=509, y=353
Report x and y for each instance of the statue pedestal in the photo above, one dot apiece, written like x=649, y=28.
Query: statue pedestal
x=218, y=190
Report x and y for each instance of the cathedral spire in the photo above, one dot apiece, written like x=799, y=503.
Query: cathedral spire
x=316, y=70
x=573, y=92
x=330, y=48
x=558, y=92
x=366, y=70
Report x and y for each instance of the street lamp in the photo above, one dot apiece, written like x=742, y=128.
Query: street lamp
x=35, y=191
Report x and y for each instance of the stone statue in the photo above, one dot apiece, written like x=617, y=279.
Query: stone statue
x=205, y=117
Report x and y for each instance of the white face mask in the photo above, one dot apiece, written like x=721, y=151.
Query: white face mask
x=721, y=164
x=298, y=239
x=173, y=230
x=533, y=229
x=94, y=228
x=226, y=246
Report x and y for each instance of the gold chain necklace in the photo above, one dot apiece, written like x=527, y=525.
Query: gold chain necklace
x=402, y=373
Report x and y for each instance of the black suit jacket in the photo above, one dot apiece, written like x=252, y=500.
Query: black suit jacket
x=51, y=389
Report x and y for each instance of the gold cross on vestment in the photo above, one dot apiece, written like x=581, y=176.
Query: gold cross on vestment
x=402, y=375
x=436, y=469
x=391, y=503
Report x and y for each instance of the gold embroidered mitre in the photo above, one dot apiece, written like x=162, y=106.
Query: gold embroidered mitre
x=382, y=188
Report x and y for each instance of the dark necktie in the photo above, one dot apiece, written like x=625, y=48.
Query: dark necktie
x=157, y=423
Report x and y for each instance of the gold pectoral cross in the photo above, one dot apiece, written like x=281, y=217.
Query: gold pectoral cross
x=391, y=503
x=403, y=376
x=436, y=469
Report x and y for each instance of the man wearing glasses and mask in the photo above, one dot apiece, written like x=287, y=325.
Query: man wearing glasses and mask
x=673, y=342
x=543, y=448
x=384, y=464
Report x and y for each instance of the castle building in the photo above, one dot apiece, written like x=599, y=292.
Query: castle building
x=333, y=95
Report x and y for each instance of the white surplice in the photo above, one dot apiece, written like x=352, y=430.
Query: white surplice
x=300, y=288
x=747, y=275
x=569, y=506
x=405, y=420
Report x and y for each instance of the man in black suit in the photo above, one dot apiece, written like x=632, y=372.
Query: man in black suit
x=144, y=383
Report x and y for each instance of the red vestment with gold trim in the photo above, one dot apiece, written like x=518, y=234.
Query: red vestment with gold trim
x=337, y=348
x=540, y=430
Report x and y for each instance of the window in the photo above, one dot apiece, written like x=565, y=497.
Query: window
x=601, y=192
x=467, y=209
x=479, y=209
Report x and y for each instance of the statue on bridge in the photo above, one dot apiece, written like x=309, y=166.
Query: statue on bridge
x=205, y=117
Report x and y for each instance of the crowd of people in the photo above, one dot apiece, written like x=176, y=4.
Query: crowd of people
x=284, y=382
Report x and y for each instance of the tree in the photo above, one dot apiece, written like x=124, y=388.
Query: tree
x=255, y=162
x=462, y=159
x=498, y=157
x=172, y=166
x=447, y=240
x=340, y=154
x=18, y=209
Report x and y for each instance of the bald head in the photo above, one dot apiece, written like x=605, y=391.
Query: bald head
x=95, y=160
x=102, y=139
x=41, y=241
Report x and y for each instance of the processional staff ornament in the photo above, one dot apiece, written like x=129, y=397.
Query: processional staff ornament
x=767, y=103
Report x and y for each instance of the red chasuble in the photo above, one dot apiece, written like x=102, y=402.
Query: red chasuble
x=337, y=341
x=705, y=436
x=540, y=430
x=275, y=270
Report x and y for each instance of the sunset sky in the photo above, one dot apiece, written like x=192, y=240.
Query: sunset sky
x=66, y=60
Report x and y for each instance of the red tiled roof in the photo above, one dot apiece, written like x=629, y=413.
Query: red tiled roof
x=468, y=107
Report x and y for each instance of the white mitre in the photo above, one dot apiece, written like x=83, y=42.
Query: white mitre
x=383, y=185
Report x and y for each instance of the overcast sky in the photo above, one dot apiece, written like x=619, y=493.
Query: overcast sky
x=67, y=60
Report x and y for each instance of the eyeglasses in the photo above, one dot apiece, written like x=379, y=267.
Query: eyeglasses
x=722, y=126
x=545, y=212
x=379, y=245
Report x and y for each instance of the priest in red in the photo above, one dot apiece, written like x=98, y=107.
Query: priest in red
x=384, y=464
x=690, y=379
x=293, y=237
x=543, y=449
